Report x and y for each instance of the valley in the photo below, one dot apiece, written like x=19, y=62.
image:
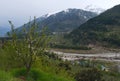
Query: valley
x=69, y=45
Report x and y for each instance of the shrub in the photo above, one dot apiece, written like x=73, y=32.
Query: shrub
x=65, y=65
x=21, y=73
x=89, y=75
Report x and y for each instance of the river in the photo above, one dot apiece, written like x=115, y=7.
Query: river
x=113, y=57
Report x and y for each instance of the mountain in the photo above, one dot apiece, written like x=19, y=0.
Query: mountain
x=3, y=31
x=64, y=21
x=94, y=8
x=103, y=29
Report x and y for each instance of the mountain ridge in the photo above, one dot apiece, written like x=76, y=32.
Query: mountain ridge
x=64, y=21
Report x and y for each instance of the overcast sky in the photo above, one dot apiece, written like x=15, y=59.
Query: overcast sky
x=19, y=11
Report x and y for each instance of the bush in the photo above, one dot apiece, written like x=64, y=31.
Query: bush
x=32, y=76
x=89, y=75
x=64, y=65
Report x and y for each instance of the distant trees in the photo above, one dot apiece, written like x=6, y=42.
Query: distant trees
x=30, y=46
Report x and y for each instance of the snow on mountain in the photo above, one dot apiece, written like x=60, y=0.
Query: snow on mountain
x=63, y=21
x=94, y=8
x=72, y=10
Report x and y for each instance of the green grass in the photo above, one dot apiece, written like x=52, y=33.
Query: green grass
x=5, y=76
x=50, y=77
x=34, y=76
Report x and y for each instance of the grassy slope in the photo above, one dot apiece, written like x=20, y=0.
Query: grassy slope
x=5, y=76
x=50, y=77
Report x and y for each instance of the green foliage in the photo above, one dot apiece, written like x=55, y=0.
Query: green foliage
x=7, y=60
x=51, y=63
x=33, y=74
x=5, y=76
x=37, y=75
x=89, y=75
x=30, y=46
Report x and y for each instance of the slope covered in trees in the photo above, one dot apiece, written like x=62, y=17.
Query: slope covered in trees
x=103, y=29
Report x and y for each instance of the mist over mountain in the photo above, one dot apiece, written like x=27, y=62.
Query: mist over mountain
x=94, y=8
x=103, y=29
x=64, y=21
x=3, y=31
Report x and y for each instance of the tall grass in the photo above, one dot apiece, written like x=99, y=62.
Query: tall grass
x=5, y=76
x=37, y=75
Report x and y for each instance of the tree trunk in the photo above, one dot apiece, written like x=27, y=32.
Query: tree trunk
x=28, y=69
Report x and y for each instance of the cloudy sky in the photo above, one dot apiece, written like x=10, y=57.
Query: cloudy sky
x=19, y=11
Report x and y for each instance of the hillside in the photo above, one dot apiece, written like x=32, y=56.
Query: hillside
x=102, y=30
x=64, y=21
